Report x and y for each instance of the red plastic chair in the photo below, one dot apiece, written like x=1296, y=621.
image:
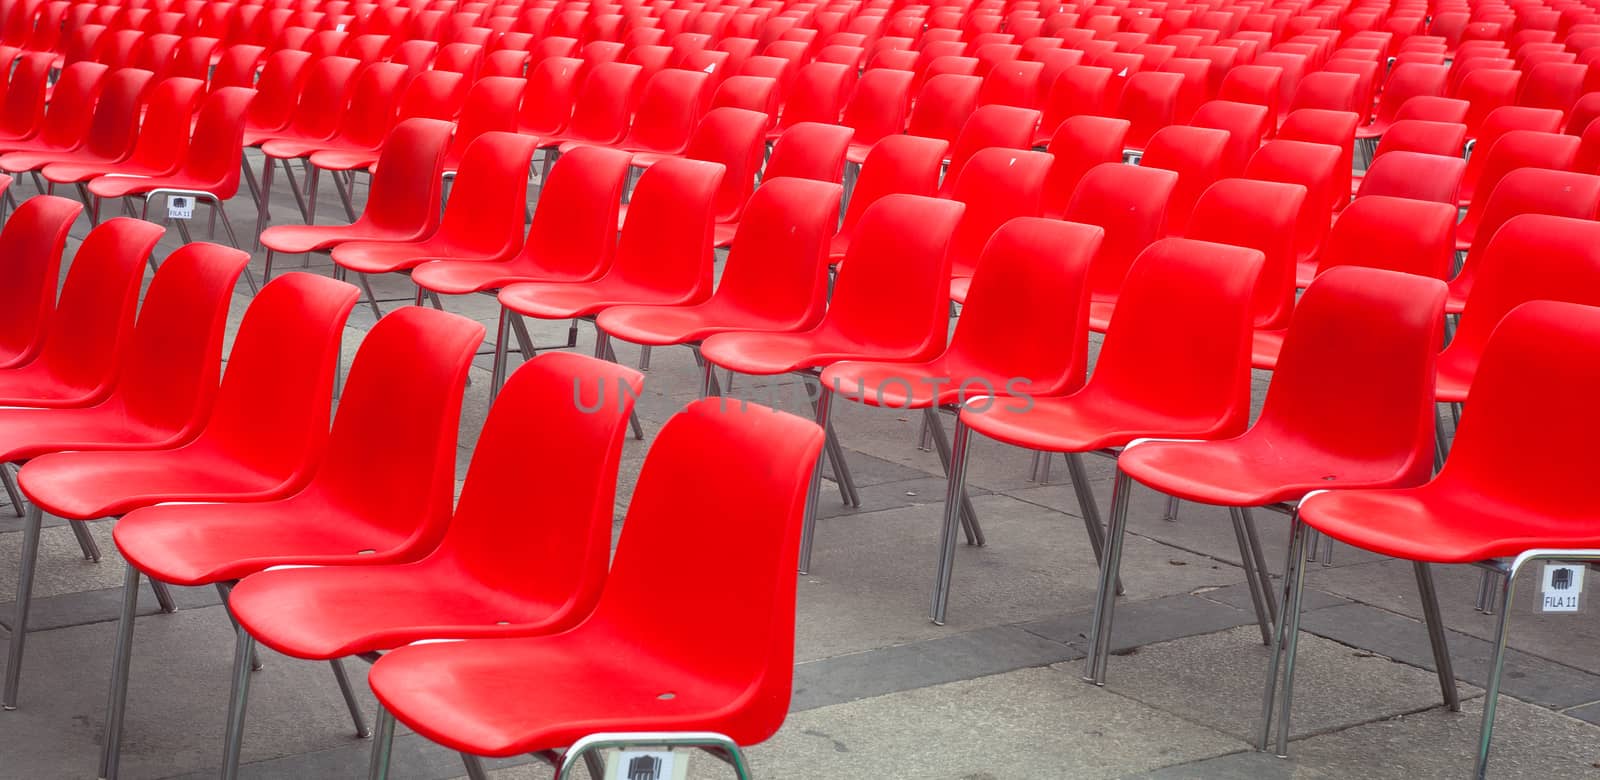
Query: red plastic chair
x=663, y=257
x=1414, y=135
x=1014, y=83
x=1324, y=422
x=1404, y=83
x=988, y=127
x=603, y=107
x=1512, y=151
x=324, y=107
x=66, y=120
x=1145, y=382
x=775, y=281
x=1314, y=166
x=1414, y=175
x=1334, y=128
x=1022, y=332
x=1531, y=257
x=905, y=164
x=997, y=185
x=76, y=363
x=1257, y=215
x=880, y=107
x=354, y=505
x=375, y=96
x=157, y=150
x=1536, y=373
x=1524, y=191
x=1196, y=154
x=1256, y=85
x=1130, y=203
x=1149, y=103
x=943, y=106
x=491, y=105
x=236, y=66
x=482, y=220
x=819, y=94
x=478, y=575
x=1434, y=109
x=1079, y=89
x=902, y=243
x=263, y=435
x=193, y=58
x=733, y=674
x=1498, y=123
x=31, y=243
x=402, y=204
x=109, y=136
x=283, y=77
x=1080, y=143
x=1247, y=126
x=1553, y=85
x=809, y=150
x=672, y=103
x=552, y=92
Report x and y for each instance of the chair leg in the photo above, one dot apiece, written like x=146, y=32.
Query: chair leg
x=223, y=591
x=595, y=764
x=1263, y=574
x=498, y=373
x=644, y=358
x=955, y=490
x=1105, y=601
x=969, y=516
x=1171, y=514
x=31, y=525
x=313, y=175
x=604, y=351
x=1436, y=635
x=841, y=468
x=86, y=542
x=264, y=204
x=1088, y=507
x=1491, y=695
x=10, y=480
x=1247, y=560
x=1441, y=441
x=808, y=529
x=382, y=746
x=475, y=770
x=356, y=717
x=1285, y=642
x=121, y=659
x=163, y=596
x=238, y=698
x=372, y=297
x=344, y=196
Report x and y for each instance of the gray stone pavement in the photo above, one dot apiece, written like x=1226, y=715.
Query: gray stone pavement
x=879, y=691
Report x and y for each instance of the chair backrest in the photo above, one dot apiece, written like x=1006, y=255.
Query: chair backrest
x=485, y=212
x=329, y=85
x=1014, y=83
x=1026, y=315
x=1434, y=109
x=406, y=185
x=433, y=94
x=163, y=140
x=94, y=317
x=1415, y=135
x=1196, y=155
x=605, y=102
x=1077, y=90
x=31, y=243
x=574, y=230
x=1414, y=175
x=491, y=105
x=1409, y=80
x=1553, y=85
x=1080, y=143
x=1255, y=84
x=374, y=104
x=1200, y=372
x=1355, y=377
x=1149, y=102
x=1321, y=126
x=777, y=268
x=168, y=378
x=273, y=406
x=558, y=425
x=665, y=244
x=988, y=127
x=1395, y=234
x=810, y=150
x=193, y=57
x=407, y=485
x=1263, y=216
x=1538, y=373
x=237, y=67
x=1314, y=166
x=733, y=138
x=1520, y=149
x=215, y=148
x=907, y=164
x=944, y=105
x=739, y=562
x=115, y=125
x=819, y=94
x=1130, y=203
x=669, y=107
x=282, y=80
x=1499, y=122
x=902, y=243
x=66, y=119
x=996, y=185
x=552, y=91
x=880, y=105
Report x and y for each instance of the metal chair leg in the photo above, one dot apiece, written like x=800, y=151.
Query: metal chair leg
x=1497, y=663
x=475, y=770
x=1088, y=507
x=969, y=516
x=1285, y=643
x=86, y=542
x=382, y=746
x=955, y=490
x=1247, y=560
x=1105, y=602
x=163, y=596
x=372, y=297
x=264, y=204
x=31, y=526
x=121, y=659
x=1171, y=514
x=238, y=698
x=1436, y=636
x=814, y=493
x=349, y=694
x=603, y=350
x=498, y=372
x=12, y=492
x=224, y=589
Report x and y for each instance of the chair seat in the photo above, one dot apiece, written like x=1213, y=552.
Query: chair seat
x=1454, y=376
x=556, y=301
x=1304, y=272
x=69, y=172
x=380, y=608
x=34, y=144
x=1264, y=348
x=28, y=161
x=459, y=277
x=667, y=325
x=344, y=159
x=29, y=433
x=647, y=159
x=1100, y=314
x=857, y=152
x=959, y=287
x=118, y=185
x=296, y=239
x=381, y=257
x=1253, y=471
x=1082, y=423
x=288, y=146
x=37, y=384
x=905, y=385
x=1460, y=287
x=199, y=544
x=87, y=485
x=1439, y=526
x=508, y=696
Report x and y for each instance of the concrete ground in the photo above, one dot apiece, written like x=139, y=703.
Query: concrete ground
x=879, y=691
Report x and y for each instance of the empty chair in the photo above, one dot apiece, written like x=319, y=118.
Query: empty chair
x=1149, y=102
x=1404, y=83
x=491, y=105
x=1330, y=91
x=819, y=94
x=1523, y=191
x=160, y=145
x=1130, y=203
x=1332, y=128
x=997, y=185
x=31, y=243
x=1553, y=85
x=1312, y=166
x=1247, y=125
x=1259, y=215
x=809, y=150
x=1080, y=143
x=551, y=95
x=1078, y=89
x=1196, y=155
x=374, y=100
x=110, y=134
x=1415, y=135
x=669, y=106
x=989, y=126
x=603, y=107
x=1512, y=151
x=1498, y=123
x=906, y=164
x=943, y=106
x=1254, y=84
x=282, y=79
x=66, y=120
x=879, y=107
x=1414, y=175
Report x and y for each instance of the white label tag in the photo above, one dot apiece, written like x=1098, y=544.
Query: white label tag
x=646, y=765
x=180, y=207
x=339, y=27
x=1563, y=587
